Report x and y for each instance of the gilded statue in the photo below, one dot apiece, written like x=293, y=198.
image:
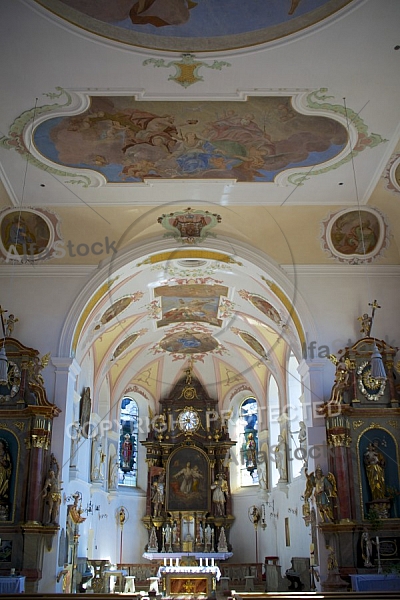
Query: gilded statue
x=374, y=462
x=325, y=490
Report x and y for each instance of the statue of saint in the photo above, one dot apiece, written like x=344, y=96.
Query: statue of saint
x=340, y=384
x=113, y=474
x=366, y=548
x=220, y=492
x=98, y=457
x=325, y=490
x=280, y=458
x=158, y=494
x=374, y=462
x=52, y=495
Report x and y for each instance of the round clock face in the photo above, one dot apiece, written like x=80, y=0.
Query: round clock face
x=188, y=420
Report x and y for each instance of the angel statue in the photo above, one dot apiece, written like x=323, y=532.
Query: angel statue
x=325, y=490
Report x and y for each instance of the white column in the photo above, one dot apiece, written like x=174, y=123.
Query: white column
x=67, y=371
x=312, y=376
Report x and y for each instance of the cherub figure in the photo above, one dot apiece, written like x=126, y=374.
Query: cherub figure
x=10, y=325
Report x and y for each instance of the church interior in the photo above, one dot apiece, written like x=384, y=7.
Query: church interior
x=200, y=275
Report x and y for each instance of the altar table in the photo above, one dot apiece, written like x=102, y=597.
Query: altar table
x=375, y=582
x=12, y=585
x=189, y=580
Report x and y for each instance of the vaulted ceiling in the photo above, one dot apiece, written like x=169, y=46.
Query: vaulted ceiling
x=256, y=124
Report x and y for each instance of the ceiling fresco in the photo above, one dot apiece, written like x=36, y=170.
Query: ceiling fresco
x=189, y=25
x=128, y=141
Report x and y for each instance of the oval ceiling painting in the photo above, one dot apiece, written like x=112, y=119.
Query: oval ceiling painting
x=188, y=342
x=194, y=25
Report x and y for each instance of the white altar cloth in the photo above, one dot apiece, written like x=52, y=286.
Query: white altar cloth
x=190, y=570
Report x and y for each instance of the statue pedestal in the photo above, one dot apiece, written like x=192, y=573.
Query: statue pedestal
x=334, y=583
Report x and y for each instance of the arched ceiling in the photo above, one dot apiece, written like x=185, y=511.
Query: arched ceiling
x=156, y=315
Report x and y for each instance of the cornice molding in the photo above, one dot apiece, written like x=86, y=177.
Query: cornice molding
x=343, y=270
x=14, y=271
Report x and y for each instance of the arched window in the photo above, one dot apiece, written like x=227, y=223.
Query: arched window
x=128, y=442
x=295, y=414
x=248, y=439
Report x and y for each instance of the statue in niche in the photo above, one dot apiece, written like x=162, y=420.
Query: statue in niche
x=374, y=462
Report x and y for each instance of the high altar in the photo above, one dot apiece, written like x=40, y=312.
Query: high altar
x=188, y=508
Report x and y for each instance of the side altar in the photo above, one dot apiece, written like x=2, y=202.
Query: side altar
x=357, y=500
x=188, y=507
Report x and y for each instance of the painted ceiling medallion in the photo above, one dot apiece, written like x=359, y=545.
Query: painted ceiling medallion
x=30, y=235
x=355, y=236
x=189, y=226
x=392, y=174
x=188, y=342
x=190, y=26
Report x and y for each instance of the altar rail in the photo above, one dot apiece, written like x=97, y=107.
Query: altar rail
x=142, y=572
x=237, y=573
